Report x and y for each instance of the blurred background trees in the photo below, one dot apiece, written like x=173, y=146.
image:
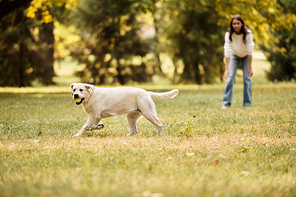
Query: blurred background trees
x=26, y=50
x=111, y=41
x=195, y=38
x=123, y=41
x=26, y=43
x=281, y=49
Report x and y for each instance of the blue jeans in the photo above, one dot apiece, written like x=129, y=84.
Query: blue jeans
x=228, y=90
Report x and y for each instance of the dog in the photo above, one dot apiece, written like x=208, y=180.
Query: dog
x=102, y=103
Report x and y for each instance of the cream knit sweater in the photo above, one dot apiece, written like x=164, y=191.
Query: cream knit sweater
x=237, y=46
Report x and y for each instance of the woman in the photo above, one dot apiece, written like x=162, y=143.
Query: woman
x=238, y=49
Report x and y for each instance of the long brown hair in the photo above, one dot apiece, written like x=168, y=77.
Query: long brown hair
x=243, y=30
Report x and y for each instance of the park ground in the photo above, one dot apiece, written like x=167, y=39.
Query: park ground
x=205, y=150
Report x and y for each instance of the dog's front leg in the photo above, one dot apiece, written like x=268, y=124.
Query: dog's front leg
x=90, y=122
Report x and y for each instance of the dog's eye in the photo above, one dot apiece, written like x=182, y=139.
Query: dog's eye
x=81, y=90
x=74, y=90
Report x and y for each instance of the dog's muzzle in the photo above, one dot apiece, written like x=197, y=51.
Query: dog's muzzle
x=77, y=100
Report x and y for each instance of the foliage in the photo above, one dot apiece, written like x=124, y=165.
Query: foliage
x=26, y=49
x=110, y=42
x=194, y=38
x=282, y=56
x=21, y=53
x=191, y=32
x=108, y=38
x=281, y=50
x=194, y=31
x=45, y=6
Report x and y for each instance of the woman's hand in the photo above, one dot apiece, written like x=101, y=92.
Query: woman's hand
x=250, y=72
x=226, y=74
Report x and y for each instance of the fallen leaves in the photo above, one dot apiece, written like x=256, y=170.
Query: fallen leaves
x=216, y=162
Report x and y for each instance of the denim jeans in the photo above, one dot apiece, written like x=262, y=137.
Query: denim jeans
x=228, y=90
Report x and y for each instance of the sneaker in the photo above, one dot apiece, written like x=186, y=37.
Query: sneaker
x=225, y=107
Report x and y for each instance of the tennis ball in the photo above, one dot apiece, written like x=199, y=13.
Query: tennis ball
x=77, y=100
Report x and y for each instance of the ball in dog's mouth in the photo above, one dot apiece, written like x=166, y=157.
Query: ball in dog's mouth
x=78, y=101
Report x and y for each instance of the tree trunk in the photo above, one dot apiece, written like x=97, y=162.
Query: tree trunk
x=46, y=36
x=187, y=72
x=157, y=41
x=197, y=74
x=119, y=69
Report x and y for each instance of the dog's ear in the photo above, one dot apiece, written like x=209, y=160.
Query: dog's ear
x=90, y=88
x=72, y=85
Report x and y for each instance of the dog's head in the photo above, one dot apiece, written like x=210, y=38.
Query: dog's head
x=81, y=92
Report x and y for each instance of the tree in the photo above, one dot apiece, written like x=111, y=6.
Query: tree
x=20, y=52
x=281, y=50
x=27, y=42
x=194, y=38
x=195, y=29
x=111, y=46
x=110, y=42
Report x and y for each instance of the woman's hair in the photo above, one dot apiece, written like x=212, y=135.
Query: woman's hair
x=244, y=29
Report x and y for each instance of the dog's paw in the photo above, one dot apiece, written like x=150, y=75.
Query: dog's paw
x=130, y=134
x=100, y=126
x=76, y=135
x=97, y=126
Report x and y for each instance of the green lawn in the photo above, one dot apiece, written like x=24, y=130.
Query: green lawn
x=205, y=151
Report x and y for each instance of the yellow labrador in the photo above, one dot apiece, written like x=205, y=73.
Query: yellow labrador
x=102, y=103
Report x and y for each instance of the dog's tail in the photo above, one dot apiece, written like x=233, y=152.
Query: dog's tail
x=164, y=95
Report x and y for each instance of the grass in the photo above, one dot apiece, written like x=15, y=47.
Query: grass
x=205, y=151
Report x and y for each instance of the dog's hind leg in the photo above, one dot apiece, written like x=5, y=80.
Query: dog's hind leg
x=132, y=118
x=152, y=117
x=147, y=107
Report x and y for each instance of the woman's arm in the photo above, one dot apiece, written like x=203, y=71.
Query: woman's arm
x=227, y=53
x=250, y=46
x=250, y=71
x=226, y=73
